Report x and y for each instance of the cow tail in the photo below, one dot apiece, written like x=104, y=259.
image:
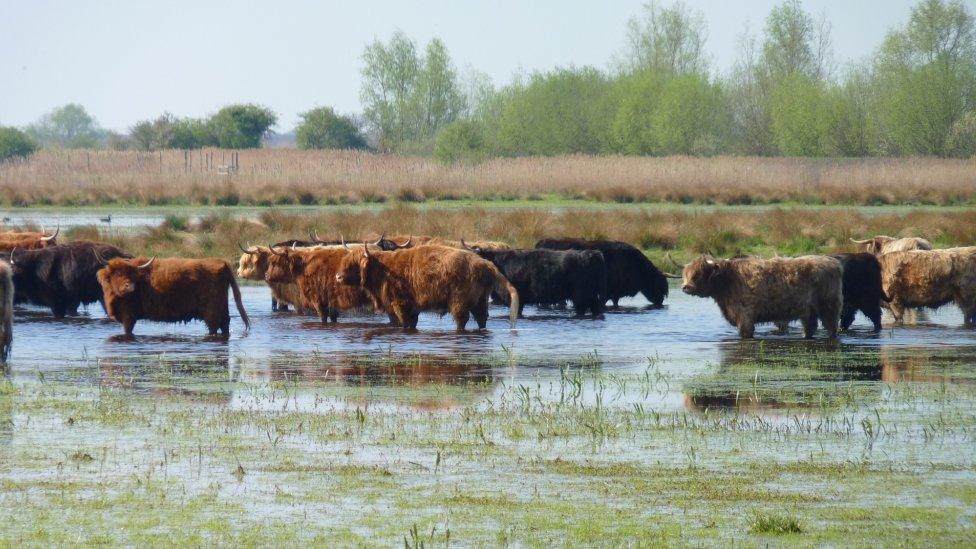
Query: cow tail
x=240, y=304
x=6, y=313
x=503, y=285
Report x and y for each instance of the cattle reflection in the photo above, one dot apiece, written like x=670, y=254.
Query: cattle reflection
x=754, y=376
x=900, y=365
x=196, y=379
x=453, y=380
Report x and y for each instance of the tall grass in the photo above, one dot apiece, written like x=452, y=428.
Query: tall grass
x=782, y=231
x=280, y=177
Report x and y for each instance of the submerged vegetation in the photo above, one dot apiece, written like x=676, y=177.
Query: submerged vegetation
x=306, y=450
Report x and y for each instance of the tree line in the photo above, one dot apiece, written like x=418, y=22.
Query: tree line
x=785, y=95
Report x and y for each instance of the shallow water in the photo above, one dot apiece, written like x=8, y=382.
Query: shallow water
x=685, y=340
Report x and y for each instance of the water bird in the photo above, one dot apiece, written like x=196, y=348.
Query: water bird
x=106, y=219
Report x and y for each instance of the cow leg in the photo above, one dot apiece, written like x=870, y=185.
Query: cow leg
x=847, y=316
x=333, y=315
x=897, y=311
x=746, y=329
x=782, y=326
x=873, y=313
x=58, y=310
x=323, y=313
x=480, y=313
x=274, y=304
x=461, y=319
x=394, y=321
x=128, y=324
x=809, y=325
x=615, y=301
x=225, y=325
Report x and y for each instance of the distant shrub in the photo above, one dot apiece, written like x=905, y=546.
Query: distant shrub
x=15, y=144
x=461, y=141
x=322, y=128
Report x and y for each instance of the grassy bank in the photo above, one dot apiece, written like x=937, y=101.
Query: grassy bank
x=682, y=232
x=291, y=177
x=174, y=454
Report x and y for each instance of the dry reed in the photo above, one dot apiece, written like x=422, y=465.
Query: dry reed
x=783, y=231
x=280, y=176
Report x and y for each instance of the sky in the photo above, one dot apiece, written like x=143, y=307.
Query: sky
x=129, y=60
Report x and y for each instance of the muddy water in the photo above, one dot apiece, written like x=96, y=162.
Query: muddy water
x=687, y=342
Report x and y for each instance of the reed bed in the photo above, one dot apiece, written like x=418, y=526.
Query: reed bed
x=783, y=231
x=281, y=177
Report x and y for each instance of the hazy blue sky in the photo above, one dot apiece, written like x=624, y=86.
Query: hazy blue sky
x=127, y=60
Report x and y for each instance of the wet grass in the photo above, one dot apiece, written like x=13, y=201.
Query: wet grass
x=832, y=446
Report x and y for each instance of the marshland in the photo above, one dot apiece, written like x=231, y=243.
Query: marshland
x=691, y=130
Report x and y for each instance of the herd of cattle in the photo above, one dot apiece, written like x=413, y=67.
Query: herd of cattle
x=402, y=276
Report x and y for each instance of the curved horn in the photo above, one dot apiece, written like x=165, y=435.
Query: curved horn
x=465, y=246
x=405, y=244
x=673, y=262
x=53, y=236
x=12, y=252
x=860, y=241
x=99, y=258
x=314, y=235
x=669, y=275
x=378, y=240
x=148, y=263
x=344, y=245
x=270, y=247
x=248, y=252
x=294, y=246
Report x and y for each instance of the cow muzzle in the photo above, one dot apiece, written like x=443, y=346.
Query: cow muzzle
x=688, y=289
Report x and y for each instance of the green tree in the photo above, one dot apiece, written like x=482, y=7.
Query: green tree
x=669, y=40
x=795, y=43
x=407, y=99
x=461, y=141
x=566, y=111
x=322, y=128
x=241, y=126
x=927, y=76
x=15, y=144
x=802, y=117
x=150, y=135
x=68, y=126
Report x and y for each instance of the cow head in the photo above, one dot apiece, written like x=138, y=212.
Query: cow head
x=390, y=245
x=253, y=264
x=699, y=278
x=50, y=240
x=873, y=245
x=120, y=277
x=353, y=269
x=284, y=265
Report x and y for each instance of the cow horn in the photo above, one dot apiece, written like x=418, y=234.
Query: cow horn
x=12, y=252
x=860, y=241
x=293, y=246
x=673, y=262
x=315, y=236
x=248, y=252
x=405, y=244
x=465, y=246
x=53, y=236
x=148, y=263
x=669, y=275
x=94, y=251
x=270, y=247
x=343, y=240
x=378, y=240
x=366, y=248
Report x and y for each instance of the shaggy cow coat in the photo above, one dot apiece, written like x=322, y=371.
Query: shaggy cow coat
x=253, y=265
x=26, y=240
x=628, y=269
x=6, y=310
x=930, y=278
x=550, y=276
x=428, y=278
x=61, y=277
x=862, y=288
x=885, y=244
x=313, y=272
x=170, y=290
x=413, y=241
x=750, y=291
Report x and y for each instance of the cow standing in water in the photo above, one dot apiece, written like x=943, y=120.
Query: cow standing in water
x=751, y=291
x=170, y=290
x=428, y=278
x=930, y=278
x=253, y=265
x=628, y=269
